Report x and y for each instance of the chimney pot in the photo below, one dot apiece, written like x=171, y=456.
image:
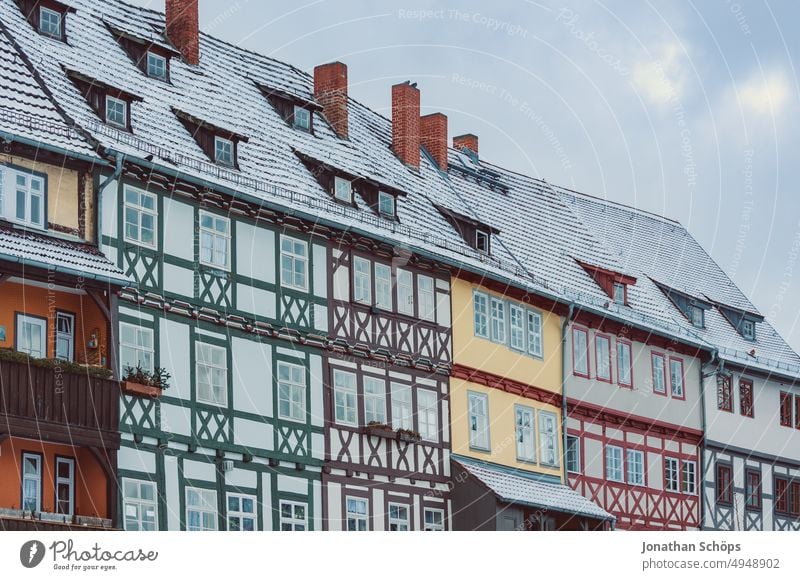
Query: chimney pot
x=330, y=91
x=433, y=136
x=183, y=28
x=467, y=141
x=405, y=123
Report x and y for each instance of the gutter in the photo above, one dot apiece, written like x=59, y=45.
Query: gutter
x=6, y=136
x=63, y=270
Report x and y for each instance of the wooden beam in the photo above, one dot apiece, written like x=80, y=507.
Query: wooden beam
x=95, y=296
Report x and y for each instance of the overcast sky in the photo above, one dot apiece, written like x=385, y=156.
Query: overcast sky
x=687, y=109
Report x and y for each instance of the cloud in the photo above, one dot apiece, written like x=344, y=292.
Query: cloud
x=765, y=94
x=661, y=79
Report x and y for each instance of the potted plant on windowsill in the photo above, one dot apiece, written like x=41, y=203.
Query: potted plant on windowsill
x=378, y=429
x=143, y=383
x=408, y=436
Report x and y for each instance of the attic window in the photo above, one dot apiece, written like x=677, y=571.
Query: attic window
x=482, y=241
x=386, y=204
x=475, y=233
x=748, y=329
x=620, y=293
x=50, y=23
x=116, y=112
x=111, y=104
x=301, y=118
x=223, y=151
x=295, y=110
x=156, y=66
x=149, y=57
x=696, y=316
x=614, y=284
x=220, y=145
x=343, y=189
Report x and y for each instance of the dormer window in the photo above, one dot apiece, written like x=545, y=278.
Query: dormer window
x=301, y=118
x=749, y=329
x=476, y=234
x=343, y=189
x=386, y=204
x=47, y=17
x=482, y=241
x=50, y=23
x=111, y=104
x=223, y=151
x=614, y=284
x=150, y=57
x=697, y=316
x=296, y=110
x=620, y=293
x=156, y=66
x=116, y=112
x=220, y=145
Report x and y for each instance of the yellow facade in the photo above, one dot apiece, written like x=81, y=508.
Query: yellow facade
x=500, y=360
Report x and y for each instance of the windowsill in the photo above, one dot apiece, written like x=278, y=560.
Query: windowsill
x=214, y=269
x=480, y=449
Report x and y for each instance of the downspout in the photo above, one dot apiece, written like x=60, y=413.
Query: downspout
x=703, y=377
x=564, y=326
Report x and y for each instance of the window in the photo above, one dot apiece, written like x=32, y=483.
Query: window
x=535, y=334
x=724, y=395
x=676, y=377
x=356, y=515
x=302, y=118
x=405, y=292
x=427, y=306
x=116, y=112
x=139, y=505
x=344, y=395
x=201, y=509
x=65, y=336
x=635, y=465
x=786, y=409
x=293, y=516
x=156, y=66
x=374, y=400
x=614, y=463
x=749, y=329
x=498, y=316
x=781, y=495
x=343, y=189
x=797, y=411
x=50, y=22
x=671, y=481
x=398, y=517
x=224, y=151
x=215, y=238
x=602, y=353
x=795, y=505
x=140, y=217
x=291, y=392
x=31, y=334
x=619, y=293
x=241, y=513
x=624, y=364
x=212, y=374
x=362, y=280
x=383, y=287
x=696, y=316
x=580, y=352
x=526, y=443
x=724, y=484
x=294, y=264
x=434, y=520
x=548, y=438
x=386, y=204
x=31, y=482
x=688, y=477
x=659, y=374
x=752, y=481
x=517, y=326
x=26, y=203
x=401, y=407
x=480, y=304
x=573, y=454
x=478, y=420
x=428, y=414
x=746, y=397
x=482, y=241
x=65, y=485
x=136, y=347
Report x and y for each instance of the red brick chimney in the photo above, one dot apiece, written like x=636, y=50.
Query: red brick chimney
x=405, y=123
x=330, y=91
x=183, y=28
x=468, y=141
x=433, y=135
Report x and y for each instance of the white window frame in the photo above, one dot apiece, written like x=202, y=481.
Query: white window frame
x=497, y=320
x=343, y=189
x=433, y=526
x=293, y=523
x=697, y=316
x=603, y=368
x=35, y=322
x=348, y=393
x=362, y=280
x=139, y=211
x=9, y=181
x=547, y=424
x=428, y=414
x=680, y=392
x=217, y=237
x=525, y=433
x=222, y=148
x=748, y=329
x=62, y=337
x=688, y=485
x=660, y=378
x=240, y=514
x=580, y=353
x=478, y=424
x=385, y=199
x=207, y=506
x=573, y=467
x=397, y=521
x=374, y=400
x=35, y=477
x=59, y=32
x=156, y=62
x=355, y=516
x=534, y=332
x=517, y=327
x=112, y=120
x=634, y=467
x=138, y=347
x=619, y=293
x=405, y=292
x=614, y=464
x=402, y=406
x=140, y=504
x=480, y=310
x=383, y=287
x=672, y=467
x=294, y=257
x=482, y=241
x=205, y=362
x=301, y=118
x=624, y=366
x=426, y=297
x=68, y=481
x=295, y=391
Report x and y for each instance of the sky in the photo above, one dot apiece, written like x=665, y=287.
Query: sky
x=686, y=109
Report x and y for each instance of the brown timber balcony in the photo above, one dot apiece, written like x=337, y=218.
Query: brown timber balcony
x=49, y=403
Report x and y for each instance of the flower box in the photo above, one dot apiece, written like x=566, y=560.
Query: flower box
x=140, y=390
x=408, y=436
x=384, y=431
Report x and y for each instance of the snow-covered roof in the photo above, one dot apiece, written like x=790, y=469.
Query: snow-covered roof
x=525, y=488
